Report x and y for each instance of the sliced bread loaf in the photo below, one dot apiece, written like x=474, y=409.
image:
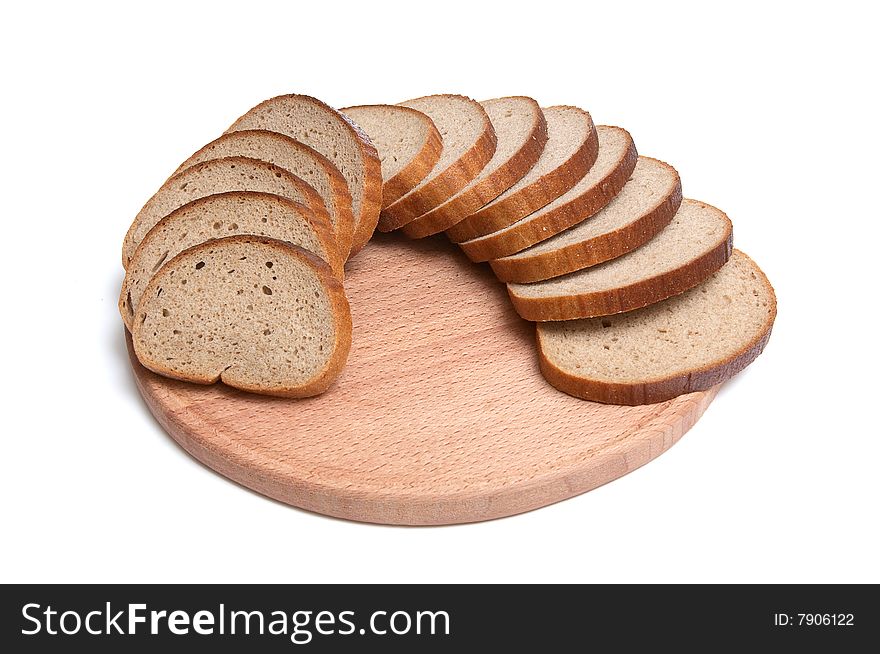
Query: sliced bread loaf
x=216, y=216
x=295, y=157
x=687, y=343
x=216, y=176
x=695, y=244
x=258, y=314
x=613, y=167
x=521, y=132
x=468, y=145
x=407, y=141
x=645, y=206
x=336, y=137
x=571, y=149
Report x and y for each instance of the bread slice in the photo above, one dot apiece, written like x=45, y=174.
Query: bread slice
x=645, y=206
x=613, y=167
x=407, y=141
x=688, y=343
x=321, y=127
x=216, y=216
x=217, y=176
x=468, y=145
x=521, y=132
x=258, y=314
x=695, y=244
x=295, y=157
x=571, y=149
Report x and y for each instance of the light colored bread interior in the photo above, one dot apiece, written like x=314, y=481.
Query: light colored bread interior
x=460, y=122
x=216, y=176
x=399, y=135
x=650, y=183
x=217, y=216
x=706, y=326
x=257, y=314
x=329, y=132
x=514, y=120
x=295, y=157
x=567, y=129
x=695, y=229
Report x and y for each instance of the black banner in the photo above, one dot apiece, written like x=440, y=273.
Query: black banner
x=432, y=618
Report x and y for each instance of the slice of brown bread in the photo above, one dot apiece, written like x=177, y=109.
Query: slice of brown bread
x=216, y=216
x=334, y=135
x=217, y=176
x=407, y=141
x=646, y=204
x=306, y=163
x=521, y=133
x=258, y=314
x=695, y=244
x=614, y=165
x=571, y=149
x=688, y=343
x=468, y=145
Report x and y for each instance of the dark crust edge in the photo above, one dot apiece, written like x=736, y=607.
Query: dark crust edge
x=341, y=318
x=633, y=296
x=319, y=225
x=536, y=195
x=449, y=182
x=408, y=177
x=593, y=251
x=502, y=178
x=313, y=200
x=545, y=224
x=656, y=390
x=365, y=222
x=344, y=231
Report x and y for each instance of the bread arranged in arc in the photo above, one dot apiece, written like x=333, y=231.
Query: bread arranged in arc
x=468, y=145
x=521, y=133
x=325, y=129
x=235, y=266
x=690, y=342
x=605, y=179
x=218, y=216
x=297, y=158
x=645, y=205
x=696, y=243
x=216, y=176
x=258, y=314
x=407, y=142
x=570, y=151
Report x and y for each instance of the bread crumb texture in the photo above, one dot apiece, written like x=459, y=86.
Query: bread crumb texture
x=252, y=312
x=706, y=326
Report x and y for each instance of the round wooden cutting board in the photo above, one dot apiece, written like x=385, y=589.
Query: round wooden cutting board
x=440, y=416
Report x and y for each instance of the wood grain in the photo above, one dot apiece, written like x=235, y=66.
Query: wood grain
x=441, y=415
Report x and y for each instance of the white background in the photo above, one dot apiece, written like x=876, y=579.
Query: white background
x=768, y=110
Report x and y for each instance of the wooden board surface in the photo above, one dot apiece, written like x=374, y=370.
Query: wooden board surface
x=441, y=415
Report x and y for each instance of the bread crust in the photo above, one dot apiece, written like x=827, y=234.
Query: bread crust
x=344, y=230
x=591, y=252
x=502, y=178
x=626, y=298
x=371, y=203
x=365, y=221
x=660, y=389
x=313, y=200
x=514, y=239
x=418, y=168
x=341, y=321
x=527, y=200
x=320, y=226
x=458, y=175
